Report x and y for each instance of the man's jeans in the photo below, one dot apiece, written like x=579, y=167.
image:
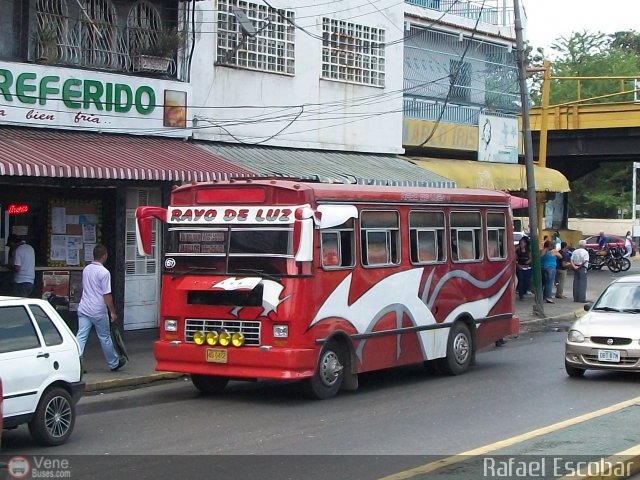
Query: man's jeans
x=104, y=335
x=22, y=289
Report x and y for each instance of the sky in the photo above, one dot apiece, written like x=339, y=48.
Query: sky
x=550, y=19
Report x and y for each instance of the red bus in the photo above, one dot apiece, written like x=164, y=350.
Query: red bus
x=282, y=279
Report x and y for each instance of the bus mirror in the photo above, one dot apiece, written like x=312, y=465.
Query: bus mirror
x=144, y=227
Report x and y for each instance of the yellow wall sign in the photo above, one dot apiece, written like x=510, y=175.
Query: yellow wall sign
x=446, y=135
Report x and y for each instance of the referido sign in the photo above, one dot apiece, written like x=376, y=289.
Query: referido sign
x=44, y=96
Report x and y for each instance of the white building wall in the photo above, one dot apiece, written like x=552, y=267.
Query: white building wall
x=302, y=110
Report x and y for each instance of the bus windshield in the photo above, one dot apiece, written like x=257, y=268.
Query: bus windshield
x=229, y=250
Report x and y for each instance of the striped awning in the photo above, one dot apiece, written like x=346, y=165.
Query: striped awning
x=37, y=152
x=329, y=166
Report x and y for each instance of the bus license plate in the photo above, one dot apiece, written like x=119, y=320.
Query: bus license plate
x=609, y=356
x=216, y=355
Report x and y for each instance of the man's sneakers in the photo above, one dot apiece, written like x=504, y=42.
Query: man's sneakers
x=121, y=363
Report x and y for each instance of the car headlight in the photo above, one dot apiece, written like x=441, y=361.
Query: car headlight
x=575, y=336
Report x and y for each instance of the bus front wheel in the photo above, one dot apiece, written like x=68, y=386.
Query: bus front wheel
x=209, y=384
x=327, y=380
x=459, y=350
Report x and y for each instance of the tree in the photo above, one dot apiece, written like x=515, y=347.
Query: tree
x=607, y=189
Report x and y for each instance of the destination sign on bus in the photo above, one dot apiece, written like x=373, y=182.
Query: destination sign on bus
x=231, y=215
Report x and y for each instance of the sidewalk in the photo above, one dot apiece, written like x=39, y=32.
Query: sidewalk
x=141, y=366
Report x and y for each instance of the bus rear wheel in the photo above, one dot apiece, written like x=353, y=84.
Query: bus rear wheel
x=327, y=380
x=459, y=350
x=209, y=384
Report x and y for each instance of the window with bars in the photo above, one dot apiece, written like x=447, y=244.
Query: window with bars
x=353, y=53
x=136, y=264
x=460, y=74
x=271, y=49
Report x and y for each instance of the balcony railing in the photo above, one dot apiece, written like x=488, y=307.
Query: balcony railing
x=100, y=47
x=493, y=12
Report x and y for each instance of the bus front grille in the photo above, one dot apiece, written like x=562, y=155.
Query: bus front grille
x=250, y=330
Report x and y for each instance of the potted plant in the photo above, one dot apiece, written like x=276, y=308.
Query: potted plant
x=46, y=40
x=159, y=49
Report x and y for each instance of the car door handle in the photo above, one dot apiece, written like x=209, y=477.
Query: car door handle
x=42, y=355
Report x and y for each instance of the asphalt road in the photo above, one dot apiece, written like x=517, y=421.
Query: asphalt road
x=398, y=418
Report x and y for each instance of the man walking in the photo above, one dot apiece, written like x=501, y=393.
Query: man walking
x=23, y=265
x=580, y=264
x=96, y=308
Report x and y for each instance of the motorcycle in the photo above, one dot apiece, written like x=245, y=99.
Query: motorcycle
x=612, y=257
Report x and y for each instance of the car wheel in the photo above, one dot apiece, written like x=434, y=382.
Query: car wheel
x=329, y=374
x=573, y=371
x=459, y=350
x=54, y=419
x=209, y=384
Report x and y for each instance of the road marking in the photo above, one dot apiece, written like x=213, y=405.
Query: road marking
x=492, y=447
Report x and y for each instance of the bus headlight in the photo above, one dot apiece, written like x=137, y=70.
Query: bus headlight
x=224, y=338
x=280, y=331
x=198, y=338
x=212, y=338
x=237, y=339
x=170, y=325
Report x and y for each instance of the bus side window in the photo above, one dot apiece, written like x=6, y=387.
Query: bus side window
x=496, y=235
x=380, y=237
x=466, y=238
x=426, y=236
x=330, y=249
x=338, y=246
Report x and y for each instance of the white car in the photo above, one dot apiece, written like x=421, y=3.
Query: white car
x=608, y=336
x=41, y=369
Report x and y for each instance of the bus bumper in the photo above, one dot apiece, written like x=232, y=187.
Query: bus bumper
x=243, y=362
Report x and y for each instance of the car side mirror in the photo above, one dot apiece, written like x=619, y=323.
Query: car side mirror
x=587, y=306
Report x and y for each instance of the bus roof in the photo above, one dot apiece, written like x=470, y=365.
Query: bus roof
x=334, y=192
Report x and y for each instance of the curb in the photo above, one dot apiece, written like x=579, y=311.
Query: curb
x=130, y=381
x=564, y=316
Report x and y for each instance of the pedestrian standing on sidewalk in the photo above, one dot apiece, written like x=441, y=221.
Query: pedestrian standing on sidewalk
x=561, y=269
x=628, y=243
x=523, y=267
x=96, y=308
x=23, y=265
x=580, y=264
x=548, y=256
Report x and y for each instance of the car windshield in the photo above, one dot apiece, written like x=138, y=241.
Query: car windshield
x=620, y=297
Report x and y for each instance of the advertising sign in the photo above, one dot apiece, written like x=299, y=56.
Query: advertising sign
x=497, y=139
x=52, y=97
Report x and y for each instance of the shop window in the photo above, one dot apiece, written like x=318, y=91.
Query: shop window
x=16, y=330
x=49, y=331
x=338, y=246
x=380, y=236
x=496, y=236
x=426, y=237
x=466, y=238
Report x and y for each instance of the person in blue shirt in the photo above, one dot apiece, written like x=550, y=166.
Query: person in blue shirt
x=602, y=241
x=548, y=256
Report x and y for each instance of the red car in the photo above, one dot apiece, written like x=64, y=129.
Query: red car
x=612, y=241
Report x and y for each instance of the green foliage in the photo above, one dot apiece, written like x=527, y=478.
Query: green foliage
x=601, y=193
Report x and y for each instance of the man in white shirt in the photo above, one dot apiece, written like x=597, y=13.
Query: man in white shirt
x=580, y=264
x=23, y=265
x=96, y=308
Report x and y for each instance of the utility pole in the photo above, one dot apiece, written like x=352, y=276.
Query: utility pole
x=538, y=307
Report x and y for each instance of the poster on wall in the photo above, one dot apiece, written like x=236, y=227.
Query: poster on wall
x=497, y=139
x=81, y=222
